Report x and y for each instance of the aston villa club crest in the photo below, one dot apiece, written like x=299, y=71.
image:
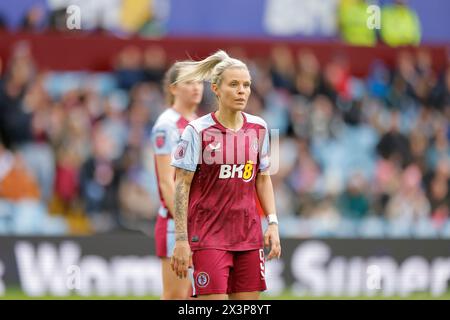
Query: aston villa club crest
x=160, y=139
x=202, y=279
x=180, y=152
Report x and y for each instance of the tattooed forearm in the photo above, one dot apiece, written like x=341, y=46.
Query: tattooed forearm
x=182, y=186
x=181, y=204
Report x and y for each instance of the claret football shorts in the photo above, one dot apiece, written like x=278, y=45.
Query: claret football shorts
x=219, y=271
x=164, y=236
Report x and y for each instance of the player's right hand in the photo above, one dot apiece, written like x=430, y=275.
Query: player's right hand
x=181, y=258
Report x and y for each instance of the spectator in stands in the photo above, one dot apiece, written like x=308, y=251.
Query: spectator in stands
x=440, y=95
x=427, y=76
x=15, y=120
x=57, y=20
x=353, y=202
x=323, y=119
x=405, y=78
x=400, y=25
x=353, y=17
x=136, y=201
x=270, y=102
x=99, y=182
x=138, y=124
x=16, y=182
x=438, y=191
x=70, y=134
x=305, y=174
x=283, y=68
x=309, y=81
x=337, y=78
x=425, y=122
x=409, y=202
x=146, y=98
x=439, y=146
x=155, y=64
x=66, y=180
x=128, y=67
x=378, y=80
x=34, y=19
x=134, y=14
x=419, y=144
x=394, y=144
x=300, y=118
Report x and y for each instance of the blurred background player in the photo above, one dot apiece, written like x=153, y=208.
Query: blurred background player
x=215, y=201
x=183, y=97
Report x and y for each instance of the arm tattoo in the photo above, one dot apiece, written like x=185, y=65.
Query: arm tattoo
x=181, y=237
x=181, y=204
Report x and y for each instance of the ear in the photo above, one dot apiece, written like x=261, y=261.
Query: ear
x=215, y=89
x=173, y=89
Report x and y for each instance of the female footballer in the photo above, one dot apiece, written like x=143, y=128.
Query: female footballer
x=183, y=97
x=222, y=164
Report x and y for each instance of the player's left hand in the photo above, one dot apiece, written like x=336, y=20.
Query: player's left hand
x=272, y=241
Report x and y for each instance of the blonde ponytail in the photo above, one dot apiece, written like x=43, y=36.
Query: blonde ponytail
x=209, y=69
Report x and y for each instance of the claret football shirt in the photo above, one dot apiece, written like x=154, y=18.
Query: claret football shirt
x=222, y=209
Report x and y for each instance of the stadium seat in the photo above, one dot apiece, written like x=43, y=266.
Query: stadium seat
x=372, y=227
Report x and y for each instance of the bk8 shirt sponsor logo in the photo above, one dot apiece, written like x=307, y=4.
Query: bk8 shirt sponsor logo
x=242, y=171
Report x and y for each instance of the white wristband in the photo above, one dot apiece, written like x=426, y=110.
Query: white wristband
x=272, y=218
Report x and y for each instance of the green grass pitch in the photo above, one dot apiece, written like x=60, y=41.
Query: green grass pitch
x=17, y=294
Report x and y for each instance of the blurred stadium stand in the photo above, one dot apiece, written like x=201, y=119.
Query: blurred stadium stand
x=364, y=130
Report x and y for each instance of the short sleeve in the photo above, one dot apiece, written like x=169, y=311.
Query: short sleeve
x=264, y=158
x=186, y=155
x=164, y=139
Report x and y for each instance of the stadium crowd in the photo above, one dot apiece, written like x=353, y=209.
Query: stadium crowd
x=358, y=156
